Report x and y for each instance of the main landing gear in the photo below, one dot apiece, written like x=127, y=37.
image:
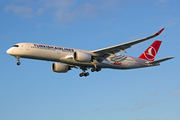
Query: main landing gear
x=17, y=57
x=84, y=73
x=95, y=69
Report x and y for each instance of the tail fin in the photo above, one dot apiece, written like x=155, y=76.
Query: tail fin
x=151, y=52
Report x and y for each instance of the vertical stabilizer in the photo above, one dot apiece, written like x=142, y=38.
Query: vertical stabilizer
x=151, y=52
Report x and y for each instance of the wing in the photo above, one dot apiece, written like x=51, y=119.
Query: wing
x=102, y=54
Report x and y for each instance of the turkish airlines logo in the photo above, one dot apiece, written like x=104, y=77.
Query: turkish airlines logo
x=150, y=53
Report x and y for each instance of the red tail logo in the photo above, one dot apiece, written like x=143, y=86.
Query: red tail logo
x=151, y=52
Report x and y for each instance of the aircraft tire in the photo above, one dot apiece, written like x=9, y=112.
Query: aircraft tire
x=18, y=63
x=81, y=74
x=92, y=70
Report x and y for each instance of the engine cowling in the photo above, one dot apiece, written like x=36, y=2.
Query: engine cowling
x=82, y=56
x=59, y=67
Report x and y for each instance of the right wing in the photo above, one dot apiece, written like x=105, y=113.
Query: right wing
x=102, y=54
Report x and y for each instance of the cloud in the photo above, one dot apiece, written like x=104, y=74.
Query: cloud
x=158, y=101
x=63, y=10
x=22, y=11
x=61, y=4
x=40, y=11
x=175, y=93
x=139, y=107
x=148, y=104
x=171, y=22
x=97, y=109
x=152, y=94
x=135, y=100
x=83, y=11
x=70, y=10
x=161, y=1
x=5, y=36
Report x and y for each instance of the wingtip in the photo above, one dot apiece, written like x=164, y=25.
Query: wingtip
x=159, y=31
x=170, y=57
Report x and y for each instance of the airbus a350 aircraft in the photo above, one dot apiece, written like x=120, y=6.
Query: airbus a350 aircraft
x=67, y=58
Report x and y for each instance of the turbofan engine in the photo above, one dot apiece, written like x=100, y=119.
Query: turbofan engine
x=60, y=67
x=82, y=57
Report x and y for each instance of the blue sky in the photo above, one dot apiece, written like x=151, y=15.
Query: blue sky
x=32, y=91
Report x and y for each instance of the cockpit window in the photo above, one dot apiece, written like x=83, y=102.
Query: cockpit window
x=15, y=45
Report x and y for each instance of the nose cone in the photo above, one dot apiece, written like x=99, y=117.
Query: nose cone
x=9, y=51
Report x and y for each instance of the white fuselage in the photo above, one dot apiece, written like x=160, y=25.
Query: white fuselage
x=65, y=55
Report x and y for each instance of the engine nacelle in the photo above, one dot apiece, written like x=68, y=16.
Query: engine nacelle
x=82, y=57
x=59, y=67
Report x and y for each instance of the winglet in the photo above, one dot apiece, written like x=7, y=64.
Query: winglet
x=159, y=31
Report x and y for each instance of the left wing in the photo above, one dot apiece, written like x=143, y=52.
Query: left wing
x=102, y=54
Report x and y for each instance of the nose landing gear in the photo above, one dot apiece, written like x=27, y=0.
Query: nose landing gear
x=17, y=57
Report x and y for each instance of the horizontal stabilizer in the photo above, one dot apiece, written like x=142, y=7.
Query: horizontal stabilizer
x=158, y=61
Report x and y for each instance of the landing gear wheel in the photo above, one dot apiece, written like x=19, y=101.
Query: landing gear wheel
x=92, y=70
x=87, y=74
x=98, y=69
x=81, y=74
x=95, y=69
x=18, y=63
x=84, y=74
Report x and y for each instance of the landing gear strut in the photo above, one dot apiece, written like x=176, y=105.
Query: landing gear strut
x=17, y=57
x=95, y=68
x=84, y=73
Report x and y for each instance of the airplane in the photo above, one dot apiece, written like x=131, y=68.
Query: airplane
x=65, y=58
